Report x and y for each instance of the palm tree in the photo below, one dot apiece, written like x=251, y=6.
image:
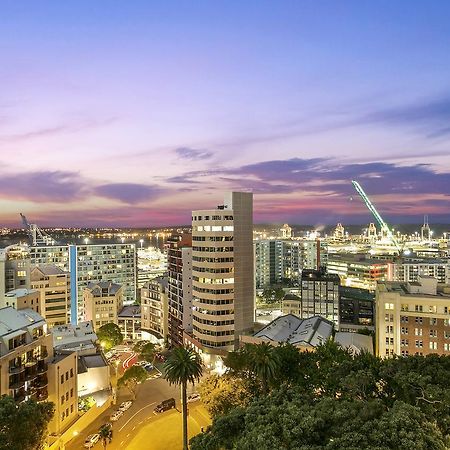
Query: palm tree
x=183, y=365
x=105, y=433
x=263, y=362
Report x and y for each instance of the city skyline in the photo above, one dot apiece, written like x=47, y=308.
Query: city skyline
x=135, y=115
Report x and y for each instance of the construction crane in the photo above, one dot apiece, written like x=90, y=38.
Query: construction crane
x=37, y=236
x=384, y=227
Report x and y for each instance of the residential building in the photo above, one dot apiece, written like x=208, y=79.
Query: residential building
x=91, y=263
x=23, y=299
x=179, y=255
x=314, y=254
x=14, y=268
x=154, y=307
x=356, y=309
x=413, y=318
x=54, y=287
x=306, y=334
x=129, y=321
x=408, y=269
x=102, y=302
x=70, y=338
x=319, y=295
x=358, y=270
x=223, y=286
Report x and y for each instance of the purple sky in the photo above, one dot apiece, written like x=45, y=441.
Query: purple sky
x=135, y=113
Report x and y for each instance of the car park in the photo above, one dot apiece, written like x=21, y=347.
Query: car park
x=116, y=415
x=91, y=440
x=165, y=405
x=125, y=405
x=193, y=397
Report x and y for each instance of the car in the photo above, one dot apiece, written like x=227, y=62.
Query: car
x=165, y=405
x=91, y=440
x=193, y=397
x=106, y=425
x=116, y=415
x=125, y=405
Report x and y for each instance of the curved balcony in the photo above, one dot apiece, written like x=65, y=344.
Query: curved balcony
x=40, y=396
x=17, y=384
x=40, y=383
x=31, y=362
x=42, y=368
x=30, y=375
x=16, y=369
x=19, y=397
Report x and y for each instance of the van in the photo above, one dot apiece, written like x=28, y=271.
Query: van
x=165, y=405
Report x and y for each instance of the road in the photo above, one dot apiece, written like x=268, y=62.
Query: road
x=140, y=425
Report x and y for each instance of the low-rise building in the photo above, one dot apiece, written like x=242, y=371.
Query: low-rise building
x=413, y=318
x=129, y=322
x=23, y=298
x=102, y=302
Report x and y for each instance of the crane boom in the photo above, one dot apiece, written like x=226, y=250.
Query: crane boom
x=37, y=236
x=384, y=226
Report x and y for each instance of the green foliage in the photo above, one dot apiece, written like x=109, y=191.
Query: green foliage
x=329, y=399
x=86, y=403
x=24, y=426
x=131, y=379
x=145, y=349
x=272, y=295
x=105, y=433
x=183, y=365
x=109, y=336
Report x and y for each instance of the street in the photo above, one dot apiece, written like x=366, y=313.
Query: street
x=140, y=428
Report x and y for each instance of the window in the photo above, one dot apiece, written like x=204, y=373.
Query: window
x=446, y=334
x=388, y=306
x=62, y=378
x=404, y=330
x=432, y=309
x=419, y=320
x=389, y=329
x=433, y=321
x=418, y=331
x=71, y=373
x=62, y=399
x=419, y=344
x=433, y=333
x=419, y=308
x=404, y=307
x=71, y=392
x=389, y=317
x=447, y=347
x=446, y=322
x=404, y=319
x=405, y=353
x=433, y=345
x=404, y=342
x=67, y=375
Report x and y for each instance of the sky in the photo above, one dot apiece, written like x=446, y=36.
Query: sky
x=136, y=113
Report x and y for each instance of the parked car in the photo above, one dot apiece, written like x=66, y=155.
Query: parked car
x=116, y=415
x=125, y=405
x=107, y=424
x=165, y=405
x=193, y=397
x=91, y=440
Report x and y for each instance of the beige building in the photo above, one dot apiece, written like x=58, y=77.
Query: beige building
x=23, y=299
x=54, y=286
x=102, y=302
x=223, y=286
x=154, y=307
x=413, y=318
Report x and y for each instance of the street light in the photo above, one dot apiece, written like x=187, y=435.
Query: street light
x=86, y=240
x=141, y=241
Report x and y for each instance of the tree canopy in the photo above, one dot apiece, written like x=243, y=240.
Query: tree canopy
x=328, y=399
x=145, y=349
x=131, y=379
x=109, y=336
x=24, y=426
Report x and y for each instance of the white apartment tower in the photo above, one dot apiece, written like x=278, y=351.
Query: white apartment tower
x=223, y=273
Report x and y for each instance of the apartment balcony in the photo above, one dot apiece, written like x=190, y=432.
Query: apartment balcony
x=17, y=384
x=20, y=397
x=16, y=369
x=31, y=362
x=42, y=355
x=30, y=374
x=40, y=383
x=40, y=396
x=42, y=367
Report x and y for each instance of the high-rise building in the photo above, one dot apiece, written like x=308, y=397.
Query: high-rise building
x=179, y=255
x=413, y=318
x=154, y=307
x=53, y=285
x=314, y=254
x=319, y=295
x=277, y=262
x=103, y=301
x=356, y=309
x=223, y=286
x=91, y=262
x=409, y=269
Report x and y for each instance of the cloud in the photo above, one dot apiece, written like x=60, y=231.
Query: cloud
x=43, y=186
x=191, y=153
x=131, y=193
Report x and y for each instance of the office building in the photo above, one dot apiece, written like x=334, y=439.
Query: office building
x=413, y=318
x=91, y=263
x=356, y=309
x=53, y=285
x=223, y=286
x=102, y=302
x=358, y=270
x=408, y=269
x=154, y=307
x=179, y=256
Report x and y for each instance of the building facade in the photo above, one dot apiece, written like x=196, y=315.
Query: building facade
x=413, y=318
x=155, y=307
x=223, y=286
x=179, y=256
x=53, y=285
x=91, y=263
x=409, y=269
x=356, y=309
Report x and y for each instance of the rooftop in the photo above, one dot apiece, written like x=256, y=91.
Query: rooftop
x=130, y=311
x=21, y=292
x=291, y=329
x=103, y=287
x=355, y=342
x=49, y=269
x=12, y=320
x=90, y=361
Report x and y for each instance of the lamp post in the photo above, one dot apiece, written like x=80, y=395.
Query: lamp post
x=141, y=241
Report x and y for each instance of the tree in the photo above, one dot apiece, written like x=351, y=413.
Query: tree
x=264, y=362
x=183, y=366
x=220, y=394
x=145, y=349
x=132, y=378
x=109, y=336
x=24, y=426
x=105, y=433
